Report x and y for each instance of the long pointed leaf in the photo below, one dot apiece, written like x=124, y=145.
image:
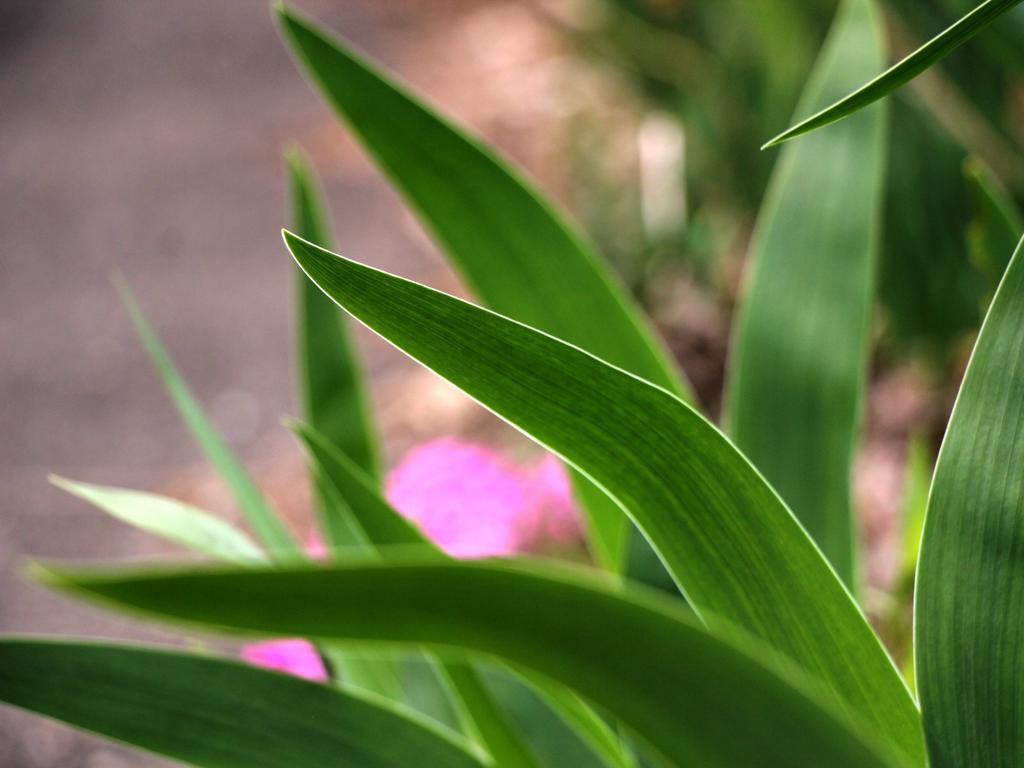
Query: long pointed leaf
x=969, y=608
x=330, y=377
x=266, y=524
x=170, y=519
x=906, y=70
x=385, y=528
x=514, y=251
x=213, y=713
x=693, y=697
x=726, y=537
x=332, y=398
x=800, y=351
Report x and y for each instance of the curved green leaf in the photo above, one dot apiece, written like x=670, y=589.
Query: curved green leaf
x=332, y=397
x=722, y=532
x=214, y=713
x=969, y=607
x=330, y=378
x=384, y=527
x=264, y=521
x=693, y=697
x=510, y=246
x=801, y=339
x=906, y=70
x=170, y=519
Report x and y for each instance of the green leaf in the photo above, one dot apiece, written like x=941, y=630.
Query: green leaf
x=728, y=540
x=509, y=245
x=385, y=528
x=997, y=224
x=265, y=523
x=906, y=70
x=799, y=356
x=928, y=289
x=330, y=377
x=170, y=519
x=917, y=477
x=695, y=698
x=375, y=518
x=367, y=673
x=332, y=397
x=214, y=713
x=969, y=601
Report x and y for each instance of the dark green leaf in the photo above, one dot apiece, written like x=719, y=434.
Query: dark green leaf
x=379, y=522
x=695, y=698
x=924, y=57
x=969, y=608
x=330, y=379
x=384, y=527
x=213, y=713
x=799, y=356
x=997, y=224
x=928, y=288
x=731, y=544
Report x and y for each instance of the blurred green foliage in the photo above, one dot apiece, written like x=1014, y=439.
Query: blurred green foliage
x=729, y=72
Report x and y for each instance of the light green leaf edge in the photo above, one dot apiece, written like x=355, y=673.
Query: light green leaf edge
x=800, y=348
x=169, y=519
x=969, y=604
x=214, y=713
x=265, y=523
x=729, y=541
x=385, y=528
x=693, y=697
x=906, y=70
x=508, y=243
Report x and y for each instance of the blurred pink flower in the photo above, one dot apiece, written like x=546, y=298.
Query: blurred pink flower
x=468, y=500
x=472, y=502
x=295, y=657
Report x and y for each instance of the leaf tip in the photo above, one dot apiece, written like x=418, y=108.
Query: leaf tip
x=60, y=482
x=44, y=575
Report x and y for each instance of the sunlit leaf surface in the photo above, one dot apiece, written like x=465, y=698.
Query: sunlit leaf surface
x=729, y=541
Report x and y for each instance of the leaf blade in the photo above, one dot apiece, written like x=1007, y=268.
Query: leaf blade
x=385, y=528
x=639, y=658
x=906, y=70
x=213, y=713
x=168, y=518
x=813, y=264
x=508, y=243
x=331, y=386
x=700, y=503
x=970, y=593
